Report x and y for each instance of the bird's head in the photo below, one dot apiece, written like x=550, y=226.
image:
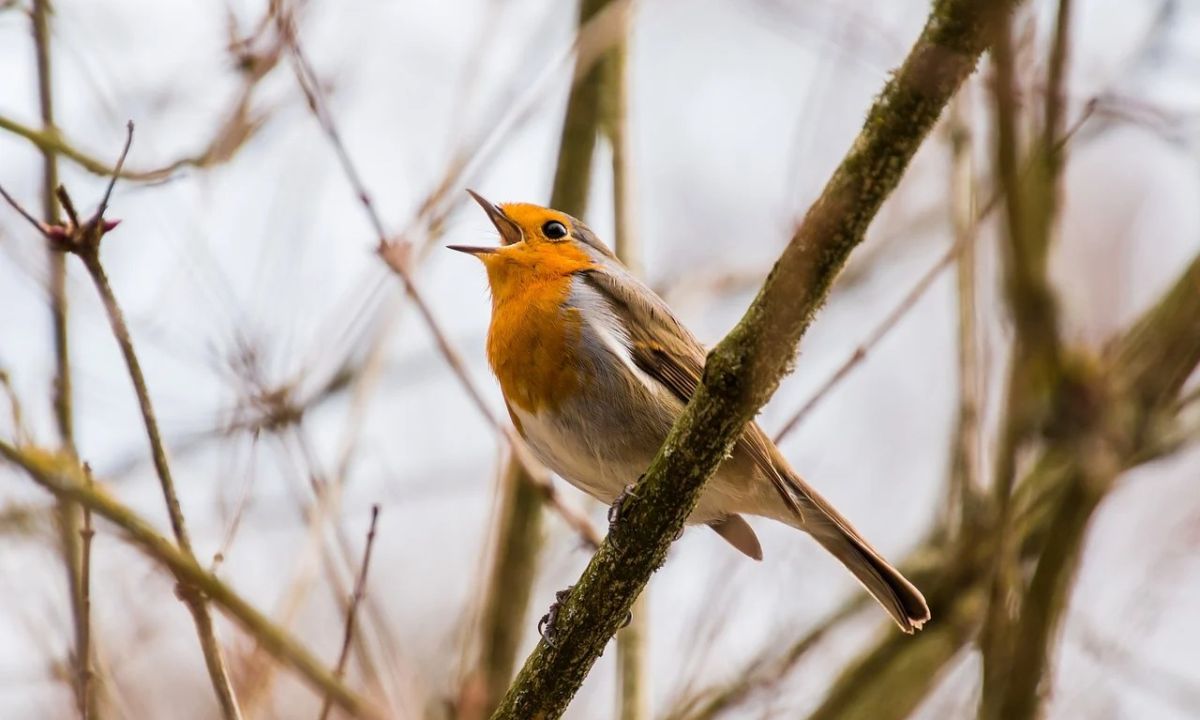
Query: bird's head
x=535, y=243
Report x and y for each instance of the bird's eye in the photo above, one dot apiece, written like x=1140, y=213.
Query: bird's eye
x=554, y=230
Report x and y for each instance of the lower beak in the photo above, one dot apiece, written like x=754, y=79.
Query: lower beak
x=472, y=249
x=510, y=232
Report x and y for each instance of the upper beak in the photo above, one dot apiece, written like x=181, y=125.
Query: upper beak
x=472, y=249
x=510, y=232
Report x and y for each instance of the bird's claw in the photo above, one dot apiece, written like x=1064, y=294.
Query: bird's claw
x=614, y=510
x=545, y=626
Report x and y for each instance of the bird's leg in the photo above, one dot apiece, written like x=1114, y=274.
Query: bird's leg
x=545, y=626
x=614, y=510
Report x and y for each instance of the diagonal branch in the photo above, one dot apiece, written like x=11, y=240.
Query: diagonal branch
x=745, y=368
x=64, y=478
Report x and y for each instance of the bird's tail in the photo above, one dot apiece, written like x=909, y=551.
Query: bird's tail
x=897, y=595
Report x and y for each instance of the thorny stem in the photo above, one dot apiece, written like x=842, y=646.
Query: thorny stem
x=360, y=589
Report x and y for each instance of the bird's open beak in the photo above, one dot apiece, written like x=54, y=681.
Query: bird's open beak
x=510, y=232
x=472, y=249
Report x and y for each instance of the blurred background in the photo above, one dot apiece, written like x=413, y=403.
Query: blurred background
x=297, y=384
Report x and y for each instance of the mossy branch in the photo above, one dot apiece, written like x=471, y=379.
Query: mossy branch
x=745, y=368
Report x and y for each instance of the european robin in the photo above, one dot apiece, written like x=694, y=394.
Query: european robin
x=595, y=368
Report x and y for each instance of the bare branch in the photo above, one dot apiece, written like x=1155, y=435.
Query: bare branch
x=360, y=589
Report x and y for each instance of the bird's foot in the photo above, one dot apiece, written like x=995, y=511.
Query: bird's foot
x=614, y=510
x=546, y=625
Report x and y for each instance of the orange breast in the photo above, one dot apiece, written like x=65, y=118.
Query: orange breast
x=532, y=343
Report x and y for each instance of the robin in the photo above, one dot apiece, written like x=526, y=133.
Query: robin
x=595, y=368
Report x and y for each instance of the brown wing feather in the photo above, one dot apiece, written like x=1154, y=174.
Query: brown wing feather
x=664, y=349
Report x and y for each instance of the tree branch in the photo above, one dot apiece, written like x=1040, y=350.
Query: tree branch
x=63, y=477
x=74, y=552
x=745, y=368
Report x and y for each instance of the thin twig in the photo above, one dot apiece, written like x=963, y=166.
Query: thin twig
x=360, y=589
x=86, y=533
x=38, y=224
x=240, y=122
x=73, y=552
x=762, y=674
x=877, y=334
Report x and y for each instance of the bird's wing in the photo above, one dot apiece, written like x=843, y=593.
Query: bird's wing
x=666, y=351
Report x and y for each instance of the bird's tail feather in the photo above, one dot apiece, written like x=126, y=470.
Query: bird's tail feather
x=890, y=589
x=893, y=591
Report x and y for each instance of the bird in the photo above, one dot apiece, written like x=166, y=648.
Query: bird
x=595, y=368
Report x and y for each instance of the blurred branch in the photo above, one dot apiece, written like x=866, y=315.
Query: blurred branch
x=1078, y=423
x=360, y=589
x=510, y=585
x=964, y=485
x=240, y=122
x=88, y=703
x=762, y=674
x=633, y=664
x=73, y=551
x=745, y=368
x=877, y=334
x=1144, y=371
x=1044, y=386
x=62, y=476
x=1022, y=279
x=83, y=239
x=961, y=249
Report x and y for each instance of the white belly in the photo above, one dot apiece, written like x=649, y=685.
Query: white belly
x=571, y=455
